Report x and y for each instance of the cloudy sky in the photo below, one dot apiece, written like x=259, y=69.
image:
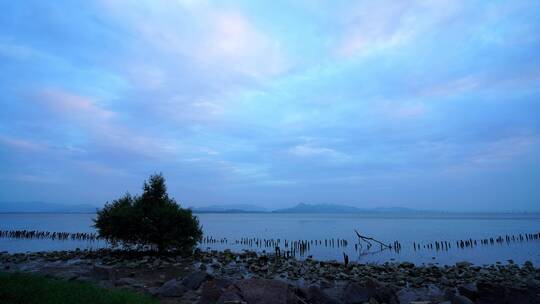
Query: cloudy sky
x=423, y=104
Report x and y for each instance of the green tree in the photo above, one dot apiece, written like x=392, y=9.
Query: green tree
x=152, y=220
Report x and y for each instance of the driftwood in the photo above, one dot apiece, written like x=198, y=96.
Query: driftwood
x=368, y=239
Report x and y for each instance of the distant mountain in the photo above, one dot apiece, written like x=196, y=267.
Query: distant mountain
x=394, y=210
x=43, y=207
x=320, y=208
x=233, y=208
x=300, y=208
x=331, y=208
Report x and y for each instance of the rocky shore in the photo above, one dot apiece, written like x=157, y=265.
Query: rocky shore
x=248, y=277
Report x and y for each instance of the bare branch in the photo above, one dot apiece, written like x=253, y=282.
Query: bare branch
x=367, y=239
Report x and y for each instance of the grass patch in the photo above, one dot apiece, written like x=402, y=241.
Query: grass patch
x=19, y=288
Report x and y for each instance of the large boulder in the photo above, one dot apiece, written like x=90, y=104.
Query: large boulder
x=430, y=294
x=264, y=291
x=231, y=295
x=195, y=279
x=522, y=295
x=469, y=290
x=460, y=299
x=489, y=293
x=315, y=295
x=355, y=293
x=104, y=272
x=212, y=290
x=171, y=288
x=125, y=282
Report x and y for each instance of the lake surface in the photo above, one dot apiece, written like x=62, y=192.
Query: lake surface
x=316, y=228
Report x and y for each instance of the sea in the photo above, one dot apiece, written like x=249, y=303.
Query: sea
x=328, y=237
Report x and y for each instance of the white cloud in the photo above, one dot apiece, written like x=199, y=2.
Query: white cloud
x=453, y=87
x=374, y=25
x=74, y=106
x=505, y=149
x=22, y=144
x=397, y=109
x=308, y=150
x=102, y=127
x=231, y=39
x=216, y=38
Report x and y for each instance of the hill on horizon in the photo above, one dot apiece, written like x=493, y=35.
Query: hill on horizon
x=229, y=208
x=319, y=208
x=45, y=207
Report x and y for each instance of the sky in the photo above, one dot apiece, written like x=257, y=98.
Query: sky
x=420, y=104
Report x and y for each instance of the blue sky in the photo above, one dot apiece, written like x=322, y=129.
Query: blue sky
x=423, y=104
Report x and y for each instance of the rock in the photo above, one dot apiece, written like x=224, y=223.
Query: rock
x=460, y=299
x=231, y=295
x=154, y=291
x=407, y=295
x=383, y=292
x=125, y=281
x=355, y=293
x=171, y=288
x=425, y=294
x=435, y=293
x=315, y=295
x=103, y=272
x=522, y=295
x=264, y=291
x=469, y=290
x=195, y=279
x=325, y=283
x=68, y=276
x=212, y=290
x=490, y=293
x=83, y=279
x=463, y=264
x=105, y=284
x=406, y=265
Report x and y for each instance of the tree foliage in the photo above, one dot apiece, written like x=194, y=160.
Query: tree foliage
x=152, y=220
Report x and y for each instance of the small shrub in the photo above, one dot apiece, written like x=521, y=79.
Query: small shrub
x=151, y=220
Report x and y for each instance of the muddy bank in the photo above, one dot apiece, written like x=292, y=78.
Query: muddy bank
x=227, y=277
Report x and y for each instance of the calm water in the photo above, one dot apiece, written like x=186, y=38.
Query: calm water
x=404, y=228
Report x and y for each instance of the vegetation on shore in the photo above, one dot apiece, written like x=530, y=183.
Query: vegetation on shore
x=152, y=220
x=28, y=288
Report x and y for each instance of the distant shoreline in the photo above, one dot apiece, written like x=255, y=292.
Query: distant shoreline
x=301, y=208
x=401, y=215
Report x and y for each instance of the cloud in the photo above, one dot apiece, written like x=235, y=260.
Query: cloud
x=101, y=169
x=453, y=87
x=213, y=37
x=504, y=150
x=375, y=26
x=103, y=127
x=233, y=40
x=308, y=150
x=32, y=178
x=20, y=52
x=400, y=110
x=21, y=144
x=233, y=100
x=74, y=106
